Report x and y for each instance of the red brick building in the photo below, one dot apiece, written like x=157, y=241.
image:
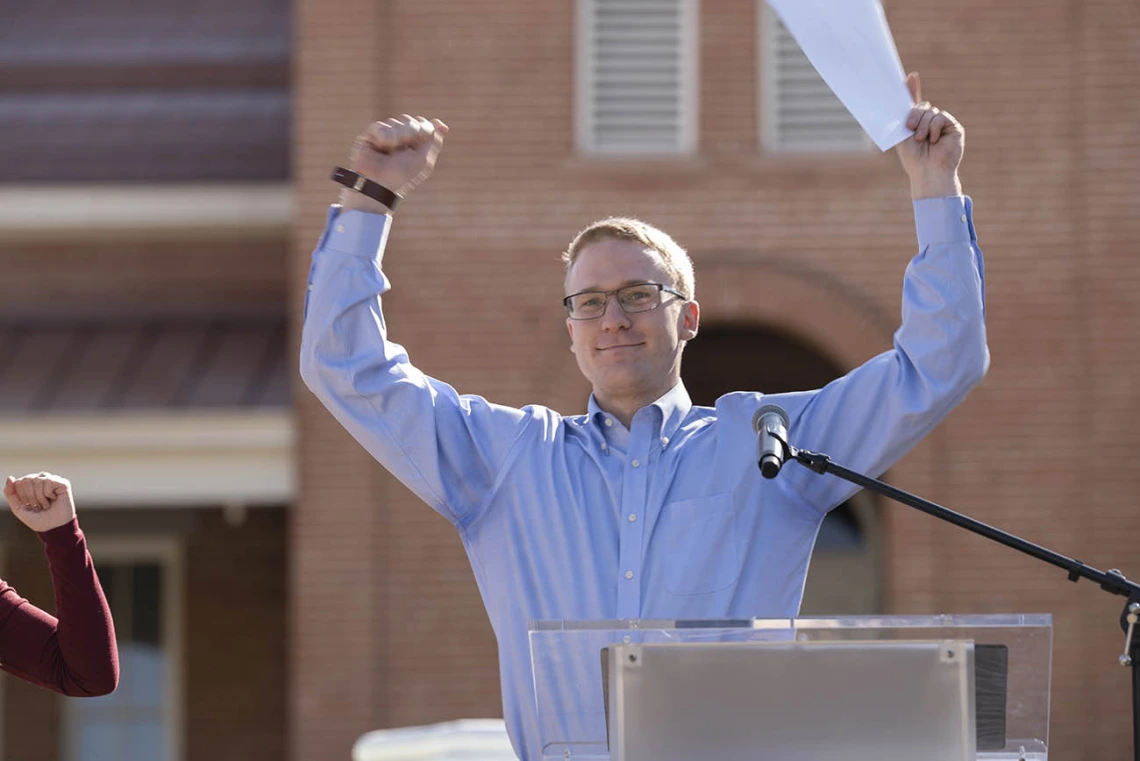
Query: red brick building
x=280, y=592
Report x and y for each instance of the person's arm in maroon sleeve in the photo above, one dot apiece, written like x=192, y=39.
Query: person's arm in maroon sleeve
x=75, y=654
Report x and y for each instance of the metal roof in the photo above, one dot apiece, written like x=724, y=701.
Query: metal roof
x=143, y=365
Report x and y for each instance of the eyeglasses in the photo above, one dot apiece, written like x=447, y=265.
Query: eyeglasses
x=641, y=297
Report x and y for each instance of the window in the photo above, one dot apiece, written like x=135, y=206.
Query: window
x=637, y=77
x=799, y=112
x=137, y=722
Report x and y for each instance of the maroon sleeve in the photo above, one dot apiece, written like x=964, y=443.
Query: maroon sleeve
x=76, y=654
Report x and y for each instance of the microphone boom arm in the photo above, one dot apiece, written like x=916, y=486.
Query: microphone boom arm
x=1112, y=581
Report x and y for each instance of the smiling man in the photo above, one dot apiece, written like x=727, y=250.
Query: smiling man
x=646, y=506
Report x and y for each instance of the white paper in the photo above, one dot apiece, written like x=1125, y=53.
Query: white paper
x=850, y=45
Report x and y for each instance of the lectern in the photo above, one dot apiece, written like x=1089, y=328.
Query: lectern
x=896, y=688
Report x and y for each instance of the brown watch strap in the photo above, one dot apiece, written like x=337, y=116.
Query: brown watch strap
x=365, y=186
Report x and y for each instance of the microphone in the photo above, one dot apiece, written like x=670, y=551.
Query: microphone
x=771, y=426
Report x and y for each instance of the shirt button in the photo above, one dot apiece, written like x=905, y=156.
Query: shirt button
x=340, y=228
x=627, y=639
x=963, y=217
x=636, y=463
x=664, y=441
x=629, y=574
x=632, y=518
x=609, y=421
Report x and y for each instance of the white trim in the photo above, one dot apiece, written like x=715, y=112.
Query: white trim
x=67, y=211
x=766, y=102
x=176, y=459
x=691, y=75
x=167, y=551
x=584, y=80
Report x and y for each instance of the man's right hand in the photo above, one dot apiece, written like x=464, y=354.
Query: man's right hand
x=397, y=153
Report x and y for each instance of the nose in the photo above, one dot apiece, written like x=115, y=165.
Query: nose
x=614, y=318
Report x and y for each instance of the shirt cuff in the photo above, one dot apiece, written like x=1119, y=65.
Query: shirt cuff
x=357, y=233
x=944, y=220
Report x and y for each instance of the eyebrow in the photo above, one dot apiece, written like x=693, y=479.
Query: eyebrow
x=627, y=283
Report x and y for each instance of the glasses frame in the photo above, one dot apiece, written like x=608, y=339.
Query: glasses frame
x=661, y=288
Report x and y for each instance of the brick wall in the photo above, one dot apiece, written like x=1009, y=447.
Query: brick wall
x=236, y=672
x=338, y=619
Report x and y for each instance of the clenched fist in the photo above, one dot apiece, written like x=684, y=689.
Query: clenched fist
x=397, y=153
x=932, y=156
x=41, y=501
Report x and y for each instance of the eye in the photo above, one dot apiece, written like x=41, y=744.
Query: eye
x=637, y=295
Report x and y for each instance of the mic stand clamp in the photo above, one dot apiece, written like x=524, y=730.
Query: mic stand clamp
x=1131, y=614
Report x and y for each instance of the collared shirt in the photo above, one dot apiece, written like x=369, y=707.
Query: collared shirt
x=576, y=518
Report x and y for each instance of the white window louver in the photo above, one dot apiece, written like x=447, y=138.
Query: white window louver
x=800, y=112
x=637, y=77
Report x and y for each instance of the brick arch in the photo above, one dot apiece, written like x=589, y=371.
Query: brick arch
x=821, y=311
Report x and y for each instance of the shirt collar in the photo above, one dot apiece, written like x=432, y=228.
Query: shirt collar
x=673, y=406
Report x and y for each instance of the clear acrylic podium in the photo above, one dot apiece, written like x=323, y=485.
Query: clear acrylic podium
x=860, y=688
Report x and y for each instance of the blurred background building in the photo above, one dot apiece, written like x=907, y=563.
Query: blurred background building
x=163, y=179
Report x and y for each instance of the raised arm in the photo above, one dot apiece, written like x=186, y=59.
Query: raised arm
x=74, y=654
x=871, y=417
x=447, y=448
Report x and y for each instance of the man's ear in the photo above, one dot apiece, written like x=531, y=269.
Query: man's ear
x=690, y=320
x=570, y=328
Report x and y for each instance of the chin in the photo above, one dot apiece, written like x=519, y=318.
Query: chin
x=619, y=384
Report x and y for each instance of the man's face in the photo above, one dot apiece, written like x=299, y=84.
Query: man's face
x=628, y=355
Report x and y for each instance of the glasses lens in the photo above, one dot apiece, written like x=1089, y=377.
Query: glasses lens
x=584, y=306
x=640, y=298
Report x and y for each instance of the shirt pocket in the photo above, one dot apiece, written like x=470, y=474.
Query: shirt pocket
x=702, y=549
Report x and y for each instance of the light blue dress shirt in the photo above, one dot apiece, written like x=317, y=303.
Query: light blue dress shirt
x=578, y=518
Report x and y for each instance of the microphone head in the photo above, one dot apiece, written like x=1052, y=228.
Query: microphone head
x=764, y=414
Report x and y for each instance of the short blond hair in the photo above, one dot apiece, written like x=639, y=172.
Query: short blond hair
x=675, y=259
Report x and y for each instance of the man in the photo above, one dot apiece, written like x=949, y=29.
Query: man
x=646, y=507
